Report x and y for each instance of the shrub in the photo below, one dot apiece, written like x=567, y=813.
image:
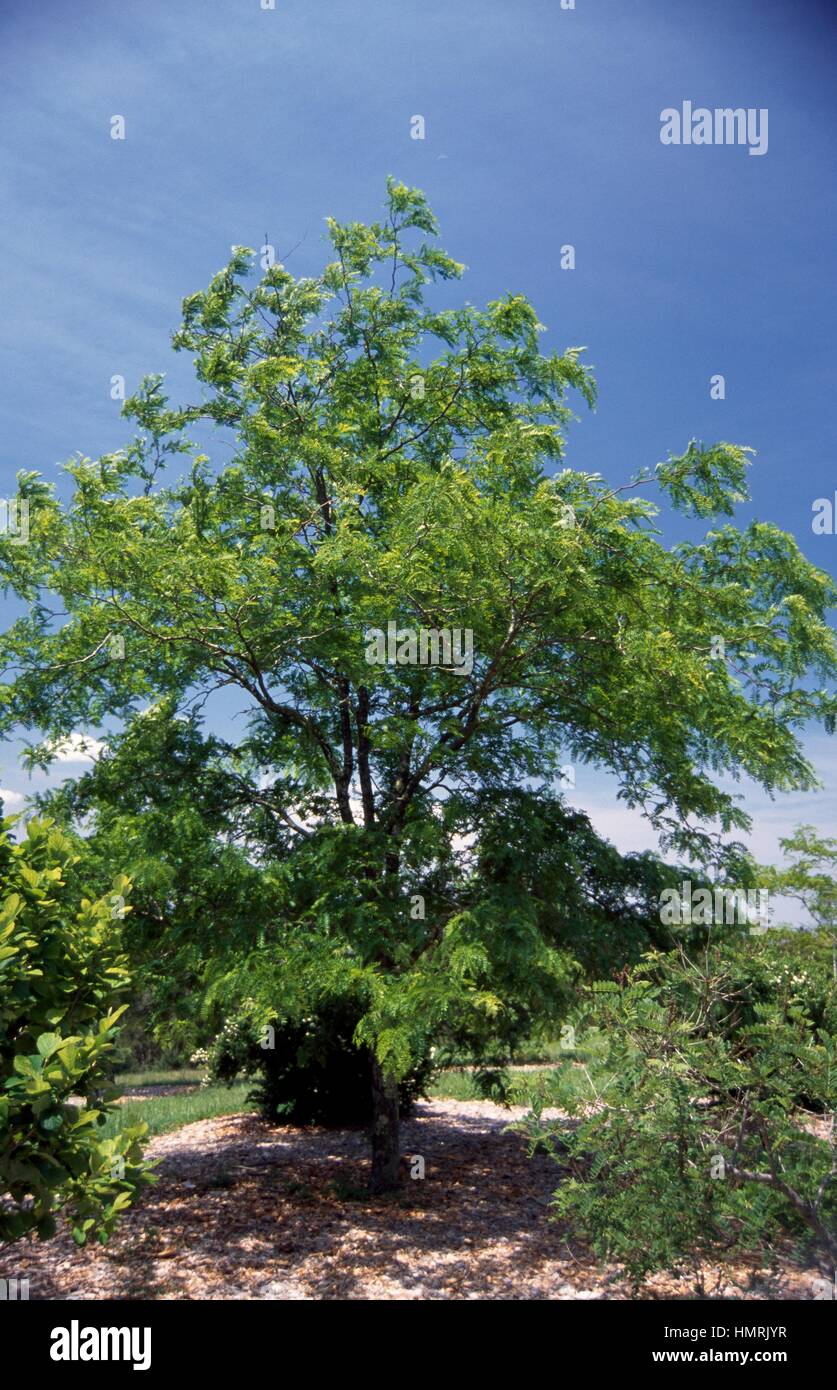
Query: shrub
x=309, y=1070
x=62, y=976
x=716, y=1129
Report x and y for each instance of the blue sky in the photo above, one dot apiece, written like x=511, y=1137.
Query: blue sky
x=542, y=129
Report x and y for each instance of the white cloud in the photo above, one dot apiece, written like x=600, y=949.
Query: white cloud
x=78, y=748
x=12, y=800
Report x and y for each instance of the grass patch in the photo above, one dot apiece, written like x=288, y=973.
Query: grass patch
x=579, y=1071
x=165, y=1113
x=182, y=1076
x=460, y=1085
x=577, y=1068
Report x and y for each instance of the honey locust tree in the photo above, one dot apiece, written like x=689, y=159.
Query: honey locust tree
x=361, y=452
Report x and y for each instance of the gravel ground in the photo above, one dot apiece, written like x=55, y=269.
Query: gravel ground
x=246, y=1211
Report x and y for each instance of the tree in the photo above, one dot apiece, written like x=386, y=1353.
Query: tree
x=810, y=878
x=397, y=461
x=62, y=979
x=307, y=1069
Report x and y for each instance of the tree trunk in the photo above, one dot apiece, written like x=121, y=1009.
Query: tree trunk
x=386, y=1133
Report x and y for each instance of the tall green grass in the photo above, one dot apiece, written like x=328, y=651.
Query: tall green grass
x=165, y=1113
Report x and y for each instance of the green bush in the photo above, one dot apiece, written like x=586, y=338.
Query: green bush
x=62, y=976
x=716, y=1128
x=309, y=1070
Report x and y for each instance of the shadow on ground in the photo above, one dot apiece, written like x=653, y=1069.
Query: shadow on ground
x=244, y=1211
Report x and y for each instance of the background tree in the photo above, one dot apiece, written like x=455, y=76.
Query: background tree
x=810, y=878
x=397, y=460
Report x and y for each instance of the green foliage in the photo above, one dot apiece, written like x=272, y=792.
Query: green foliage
x=716, y=1126
x=172, y=807
x=62, y=975
x=308, y=1070
x=810, y=877
x=537, y=855
x=482, y=975
x=396, y=459
x=431, y=505
x=706, y=482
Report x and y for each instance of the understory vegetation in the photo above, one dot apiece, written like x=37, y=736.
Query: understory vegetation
x=714, y=1128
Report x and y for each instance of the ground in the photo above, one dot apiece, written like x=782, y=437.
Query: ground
x=246, y=1211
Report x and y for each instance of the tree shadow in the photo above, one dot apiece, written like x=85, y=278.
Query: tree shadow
x=246, y=1211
